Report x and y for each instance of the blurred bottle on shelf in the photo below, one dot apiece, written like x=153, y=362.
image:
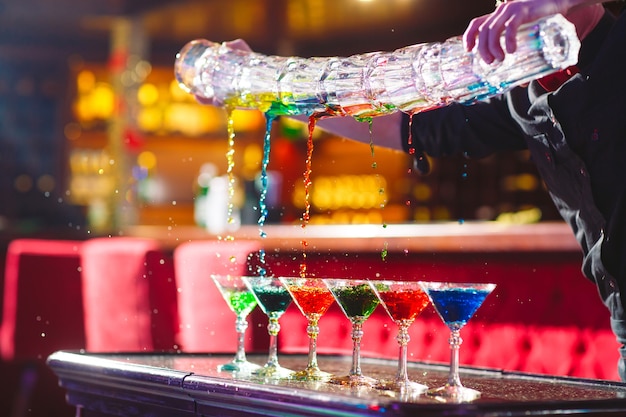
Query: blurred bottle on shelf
x=213, y=207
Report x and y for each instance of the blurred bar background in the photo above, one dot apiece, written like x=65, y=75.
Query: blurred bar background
x=95, y=135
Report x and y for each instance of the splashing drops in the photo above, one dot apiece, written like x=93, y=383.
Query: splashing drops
x=384, y=252
x=230, y=163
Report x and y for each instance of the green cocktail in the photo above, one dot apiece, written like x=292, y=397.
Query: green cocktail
x=357, y=301
x=241, y=301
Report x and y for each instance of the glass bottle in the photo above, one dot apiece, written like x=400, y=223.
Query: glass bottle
x=410, y=79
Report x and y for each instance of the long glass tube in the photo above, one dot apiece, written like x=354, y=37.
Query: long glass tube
x=410, y=79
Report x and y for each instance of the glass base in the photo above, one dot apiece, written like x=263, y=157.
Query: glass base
x=238, y=366
x=402, y=386
x=272, y=372
x=453, y=394
x=311, y=374
x=354, y=380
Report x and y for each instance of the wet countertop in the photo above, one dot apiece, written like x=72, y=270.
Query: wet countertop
x=190, y=384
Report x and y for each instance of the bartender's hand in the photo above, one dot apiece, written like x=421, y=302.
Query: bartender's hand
x=235, y=44
x=485, y=31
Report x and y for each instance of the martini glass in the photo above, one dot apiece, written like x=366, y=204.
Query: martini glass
x=357, y=301
x=313, y=299
x=403, y=301
x=455, y=304
x=273, y=298
x=241, y=301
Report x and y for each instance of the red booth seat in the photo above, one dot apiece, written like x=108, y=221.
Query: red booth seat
x=42, y=313
x=43, y=308
x=129, y=292
x=206, y=322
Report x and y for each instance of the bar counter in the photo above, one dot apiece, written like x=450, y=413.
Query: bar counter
x=471, y=237
x=189, y=385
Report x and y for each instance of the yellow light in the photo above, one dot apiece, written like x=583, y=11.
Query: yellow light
x=83, y=109
x=85, y=81
x=147, y=94
x=150, y=119
x=193, y=119
x=527, y=182
x=421, y=214
x=102, y=101
x=422, y=192
x=147, y=160
x=178, y=94
x=247, y=120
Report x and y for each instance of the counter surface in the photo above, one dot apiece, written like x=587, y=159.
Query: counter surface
x=189, y=384
x=432, y=237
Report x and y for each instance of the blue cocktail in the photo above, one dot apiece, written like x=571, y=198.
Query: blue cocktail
x=456, y=303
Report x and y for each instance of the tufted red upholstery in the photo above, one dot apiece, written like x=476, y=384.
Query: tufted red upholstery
x=207, y=324
x=129, y=293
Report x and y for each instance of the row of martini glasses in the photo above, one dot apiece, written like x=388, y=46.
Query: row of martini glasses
x=455, y=304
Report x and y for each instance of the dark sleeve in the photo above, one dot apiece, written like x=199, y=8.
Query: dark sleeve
x=475, y=130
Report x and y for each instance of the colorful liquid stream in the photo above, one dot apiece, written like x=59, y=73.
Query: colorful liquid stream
x=306, y=216
x=272, y=110
x=263, y=211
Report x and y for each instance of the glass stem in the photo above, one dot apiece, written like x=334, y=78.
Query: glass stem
x=403, y=339
x=273, y=328
x=312, y=331
x=241, y=324
x=455, y=343
x=357, y=335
